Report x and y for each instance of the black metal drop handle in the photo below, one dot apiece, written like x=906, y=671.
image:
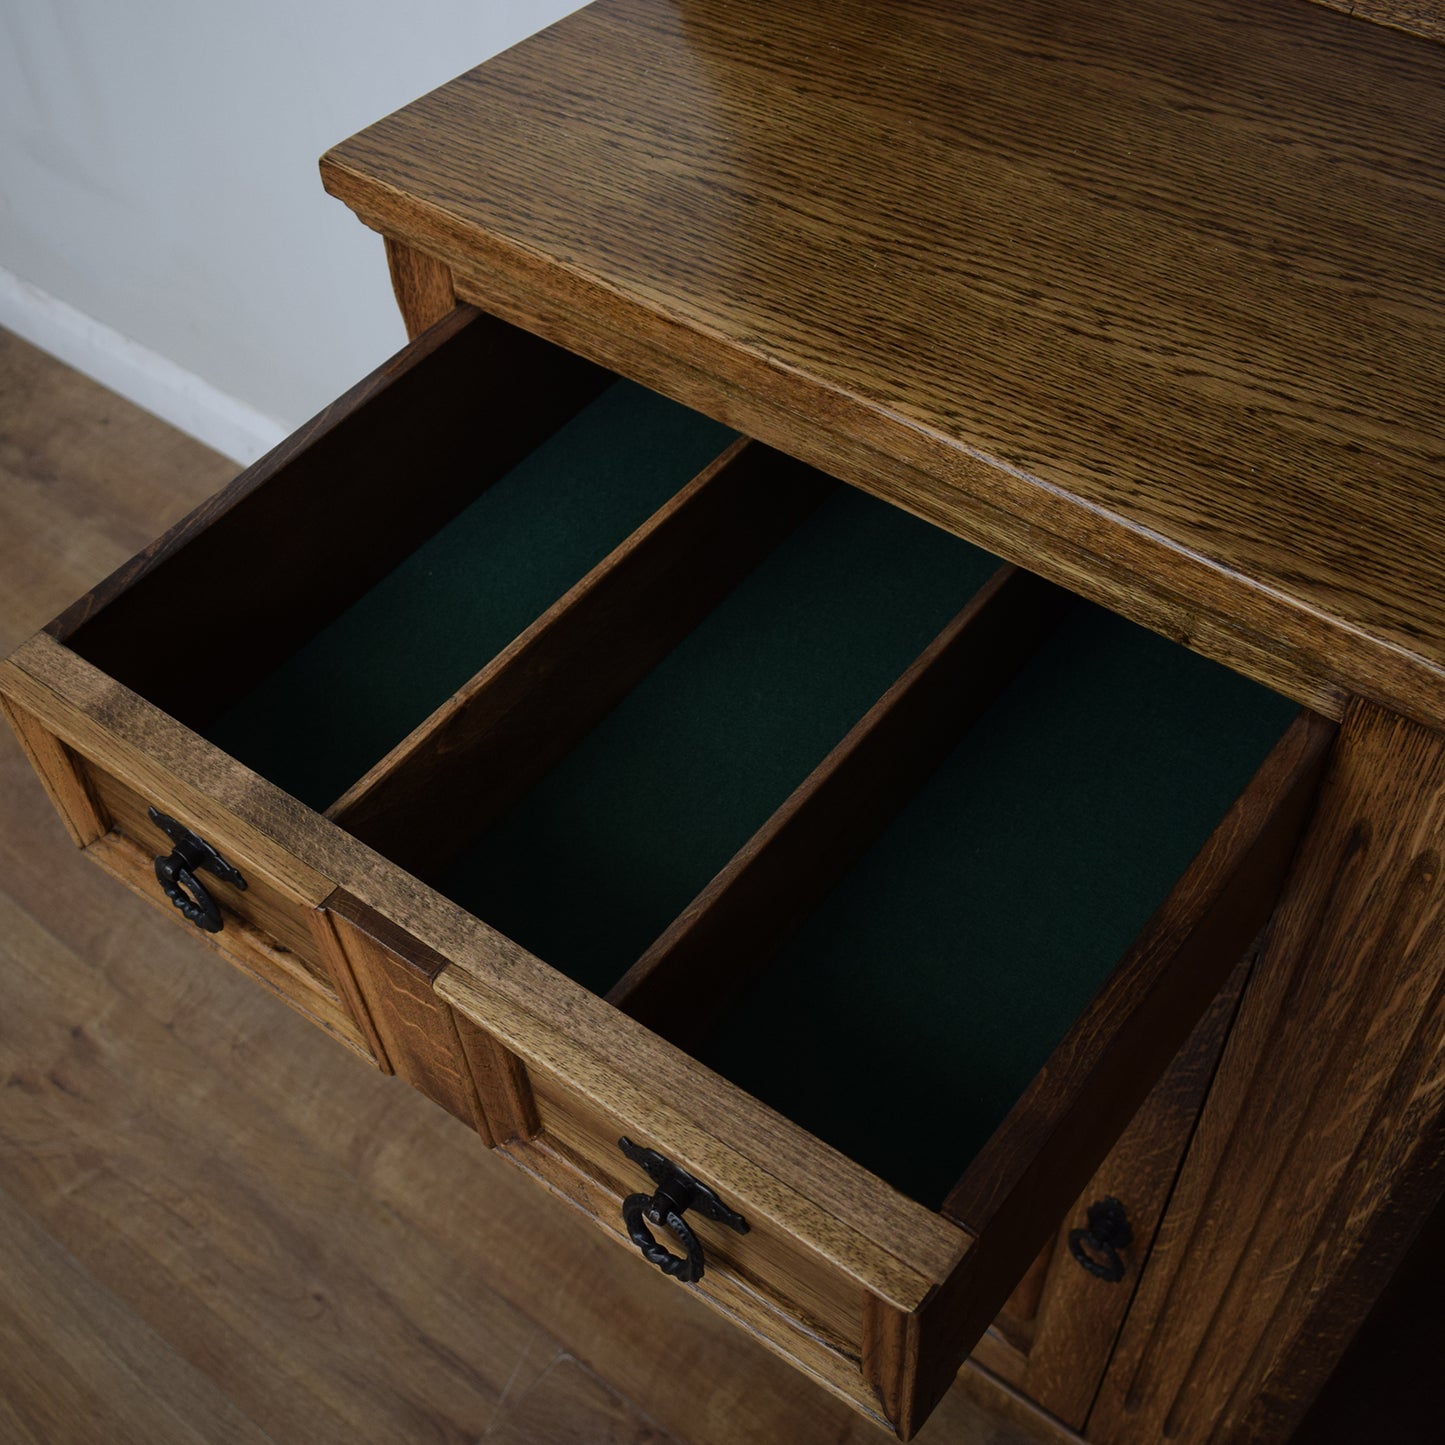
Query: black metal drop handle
x=1097, y=1245
x=677, y=1192
x=176, y=872
x=662, y=1208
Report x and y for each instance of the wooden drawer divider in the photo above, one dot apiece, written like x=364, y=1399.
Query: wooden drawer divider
x=728, y=932
x=525, y=709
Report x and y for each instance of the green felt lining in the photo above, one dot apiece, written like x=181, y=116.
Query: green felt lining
x=360, y=685
x=596, y=861
x=909, y=1013
x=915, y=1006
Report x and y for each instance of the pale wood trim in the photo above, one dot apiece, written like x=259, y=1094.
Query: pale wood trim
x=590, y=1050
x=155, y=755
x=416, y=1028
x=731, y=1297
x=242, y=946
x=60, y=775
x=1425, y=18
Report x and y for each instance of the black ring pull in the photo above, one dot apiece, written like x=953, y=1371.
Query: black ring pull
x=677, y=1192
x=176, y=873
x=1097, y=1245
x=637, y=1209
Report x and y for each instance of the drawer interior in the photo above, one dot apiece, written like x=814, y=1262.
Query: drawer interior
x=361, y=683
x=811, y=788
x=1003, y=850
x=595, y=861
x=986, y=908
x=952, y=958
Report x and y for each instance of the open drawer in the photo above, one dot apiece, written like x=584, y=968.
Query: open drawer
x=612, y=778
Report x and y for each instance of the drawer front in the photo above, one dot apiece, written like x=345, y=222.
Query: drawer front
x=94, y=763
x=825, y=1243
x=797, y=1299
x=121, y=701
x=269, y=907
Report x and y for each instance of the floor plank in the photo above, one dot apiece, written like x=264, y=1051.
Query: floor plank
x=284, y=1242
x=567, y=1404
x=78, y=1366
x=265, y=1265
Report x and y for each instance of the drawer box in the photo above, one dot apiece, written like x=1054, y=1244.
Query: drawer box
x=608, y=776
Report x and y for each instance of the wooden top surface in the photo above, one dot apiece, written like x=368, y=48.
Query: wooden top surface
x=1145, y=297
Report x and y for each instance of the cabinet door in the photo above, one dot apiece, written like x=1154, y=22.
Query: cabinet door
x=1054, y=1338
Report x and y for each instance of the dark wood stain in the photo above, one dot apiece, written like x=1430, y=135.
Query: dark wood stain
x=1319, y=1151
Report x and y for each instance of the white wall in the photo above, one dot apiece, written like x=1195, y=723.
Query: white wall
x=161, y=217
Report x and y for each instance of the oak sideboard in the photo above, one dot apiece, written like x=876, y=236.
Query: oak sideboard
x=864, y=699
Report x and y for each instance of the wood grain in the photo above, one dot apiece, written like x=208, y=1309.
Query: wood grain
x=1419, y=17
x=1077, y=1318
x=269, y=903
x=1321, y=1148
x=270, y=932
x=825, y=1208
x=414, y=1025
x=86, y=480
x=499, y=733
x=503, y=1088
x=79, y=1368
x=421, y=284
x=326, y=514
x=569, y=1404
x=767, y=1263
x=1147, y=301
x=728, y=933
x=890, y=1244
x=242, y=945
x=737, y=1299
x=172, y=1204
x=500, y=1234
x=143, y=750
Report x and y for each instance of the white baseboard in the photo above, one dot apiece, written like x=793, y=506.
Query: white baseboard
x=140, y=375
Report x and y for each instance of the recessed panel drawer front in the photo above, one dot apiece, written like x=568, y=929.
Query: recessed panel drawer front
x=188, y=668
x=274, y=907
x=820, y=1242
x=111, y=762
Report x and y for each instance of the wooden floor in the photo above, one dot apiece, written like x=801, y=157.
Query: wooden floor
x=216, y=1225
